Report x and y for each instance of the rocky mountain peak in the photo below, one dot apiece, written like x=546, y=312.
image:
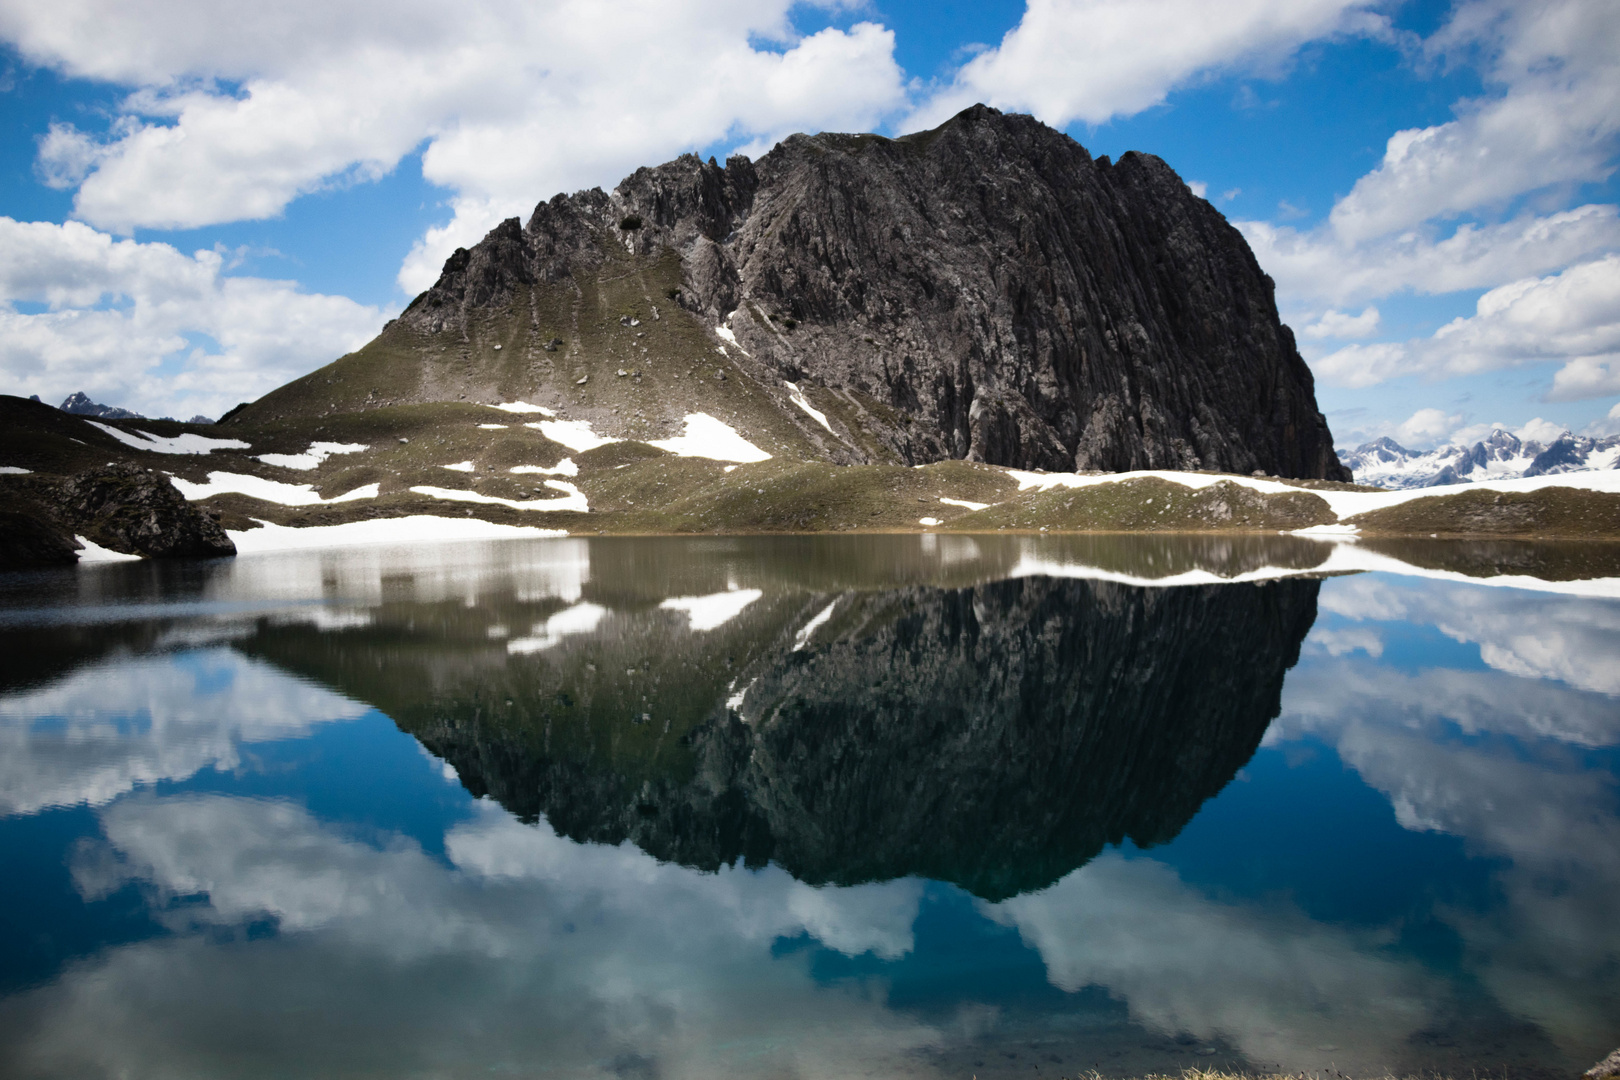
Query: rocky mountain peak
x=985, y=290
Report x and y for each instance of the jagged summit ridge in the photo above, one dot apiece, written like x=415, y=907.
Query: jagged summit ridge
x=986, y=291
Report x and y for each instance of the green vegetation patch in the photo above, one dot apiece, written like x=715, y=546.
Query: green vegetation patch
x=1552, y=512
x=1149, y=504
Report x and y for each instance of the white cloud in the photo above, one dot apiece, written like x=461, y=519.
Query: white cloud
x=1558, y=66
x=118, y=309
x=1093, y=60
x=1198, y=188
x=1318, y=266
x=241, y=108
x=1573, y=317
x=1337, y=324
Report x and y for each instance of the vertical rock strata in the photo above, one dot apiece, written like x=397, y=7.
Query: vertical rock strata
x=987, y=290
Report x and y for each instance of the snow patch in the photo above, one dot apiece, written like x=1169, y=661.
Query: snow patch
x=929, y=521
x=92, y=552
x=1329, y=530
x=14, y=470
x=797, y=397
x=573, y=498
x=257, y=487
x=523, y=407
x=802, y=638
x=964, y=502
x=706, y=437
x=716, y=609
x=565, y=467
x=725, y=333
x=170, y=444
x=574, y=434
x=460, y=466
x=397, y=532
x=582, y=618
x=491, y=427
x=317, y=453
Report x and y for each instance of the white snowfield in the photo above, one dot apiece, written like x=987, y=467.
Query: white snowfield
x=796, y=396
x=317, y=453
x=577, y=435
x=257, y=487
x=492, y=427
x=964, y=502
x=1344, y=504
x=171, y=444
x=565, y=467
x=14, y=470
x=714, y=610
x=92, y=552
x=396, y=532
x=523, y=407
x=460, y=466
x=572, y=499
x=706, y=437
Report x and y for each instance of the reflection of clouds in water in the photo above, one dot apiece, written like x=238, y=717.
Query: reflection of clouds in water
x=1340, y=642
x=1573, y=640
x=1264, y=977
x=425, y=573
x=1550, y=950
x=99, y=732
x=526, y=948
x=1516, y=789
x=1326, y=694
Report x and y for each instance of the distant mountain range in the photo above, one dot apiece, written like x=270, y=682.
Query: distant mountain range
x=1502, y=456
x=79, y=404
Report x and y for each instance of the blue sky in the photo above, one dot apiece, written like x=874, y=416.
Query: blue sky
x=202, y=200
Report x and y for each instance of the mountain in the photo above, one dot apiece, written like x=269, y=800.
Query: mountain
x=1501, y=456
x=79, y=404
x=985, y=291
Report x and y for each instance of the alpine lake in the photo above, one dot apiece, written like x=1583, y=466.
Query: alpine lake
x=814, y=806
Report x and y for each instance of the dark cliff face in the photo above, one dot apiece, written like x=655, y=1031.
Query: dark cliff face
x=996, y=737
x=997, y=292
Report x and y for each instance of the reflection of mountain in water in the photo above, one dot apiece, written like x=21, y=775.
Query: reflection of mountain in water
x=996, y=736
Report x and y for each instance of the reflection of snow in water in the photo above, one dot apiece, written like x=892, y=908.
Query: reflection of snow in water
x=579, y=619
x=714, y=610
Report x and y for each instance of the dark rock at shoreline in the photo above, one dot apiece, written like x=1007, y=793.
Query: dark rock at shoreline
x=991, y=289
x=28, y=541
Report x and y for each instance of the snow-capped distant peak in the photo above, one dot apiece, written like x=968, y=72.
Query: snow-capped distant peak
x=1500, y=456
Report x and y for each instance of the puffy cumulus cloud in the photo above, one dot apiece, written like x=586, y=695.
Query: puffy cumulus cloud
x=1313, y=266
x=1339, y=324
x=1263, y=977
x=118, y=310
x=241, y=108
x=1572, y=317
x=1092, y=60
x=101, y=732
x=517, y=946
x=1557, y=67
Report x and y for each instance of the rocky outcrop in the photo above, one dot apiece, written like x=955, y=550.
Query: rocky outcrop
x=137, y=511
x=121, y=507
x=992, y=290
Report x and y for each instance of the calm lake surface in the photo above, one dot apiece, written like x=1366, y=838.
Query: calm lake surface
x=835, y=806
